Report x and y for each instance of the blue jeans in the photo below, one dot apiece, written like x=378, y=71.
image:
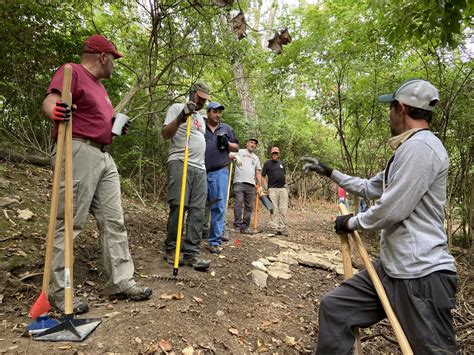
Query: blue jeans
x=217, y=182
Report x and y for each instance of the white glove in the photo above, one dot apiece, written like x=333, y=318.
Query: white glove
x=236, y=158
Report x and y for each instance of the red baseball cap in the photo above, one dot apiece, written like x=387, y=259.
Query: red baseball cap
x=100, y=44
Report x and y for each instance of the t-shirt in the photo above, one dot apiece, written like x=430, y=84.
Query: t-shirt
x=250, y=163
x=275, y=170
x=93, y=116
x=217, y=159
x=197, y=143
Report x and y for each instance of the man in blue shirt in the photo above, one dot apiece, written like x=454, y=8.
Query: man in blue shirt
x=220, y=139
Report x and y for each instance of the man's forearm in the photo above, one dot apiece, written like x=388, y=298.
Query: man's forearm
x=233, y=147
x=48, y=105
x=170, y=129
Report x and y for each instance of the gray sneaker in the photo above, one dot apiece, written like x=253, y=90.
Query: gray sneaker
x=134, y=293
x=79, y=305
x=196, y=263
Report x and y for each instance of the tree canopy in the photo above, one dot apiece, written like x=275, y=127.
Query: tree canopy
x=316, y=96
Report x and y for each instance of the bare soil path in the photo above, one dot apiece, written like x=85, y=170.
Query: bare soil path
x=221, y=311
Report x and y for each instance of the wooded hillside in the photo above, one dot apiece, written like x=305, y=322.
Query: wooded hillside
x=313, y=94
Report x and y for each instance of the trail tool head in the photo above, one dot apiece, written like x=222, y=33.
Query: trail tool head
x=69, y=329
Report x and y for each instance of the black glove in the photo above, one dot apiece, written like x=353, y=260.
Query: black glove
x=62, y=112
x=125, y=127
x=188, y=109
x=223, y=141
x=341, y=225
x=313, y=164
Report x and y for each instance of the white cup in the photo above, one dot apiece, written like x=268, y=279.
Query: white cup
x=120, y=121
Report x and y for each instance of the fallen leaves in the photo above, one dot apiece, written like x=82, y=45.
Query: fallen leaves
x=233, y=331
x=174, y=296
x=197, y=300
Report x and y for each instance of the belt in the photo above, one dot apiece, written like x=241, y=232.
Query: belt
x=102, y=147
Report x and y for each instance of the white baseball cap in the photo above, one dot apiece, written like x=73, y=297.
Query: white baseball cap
x=415, y=93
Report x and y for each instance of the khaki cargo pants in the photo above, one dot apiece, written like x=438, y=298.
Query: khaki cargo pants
x=279, y=197
x=96, y=190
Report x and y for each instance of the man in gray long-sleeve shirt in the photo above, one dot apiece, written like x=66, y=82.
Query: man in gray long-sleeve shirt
x=415, y=267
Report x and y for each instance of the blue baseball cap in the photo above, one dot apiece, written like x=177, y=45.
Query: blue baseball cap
x=215, y=106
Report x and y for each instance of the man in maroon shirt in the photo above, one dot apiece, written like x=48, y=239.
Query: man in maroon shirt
x=96, y=181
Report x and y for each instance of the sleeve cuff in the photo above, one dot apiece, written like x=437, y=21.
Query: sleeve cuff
x=353, y=223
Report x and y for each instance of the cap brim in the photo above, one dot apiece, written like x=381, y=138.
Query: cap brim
x=117, y=54
x=386, y=98
x=252, y=139
x=203, y=95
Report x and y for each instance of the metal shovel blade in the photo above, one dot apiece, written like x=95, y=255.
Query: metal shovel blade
x=69, y=330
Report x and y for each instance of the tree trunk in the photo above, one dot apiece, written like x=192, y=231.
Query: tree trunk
x=243, y=90
x=9, y=155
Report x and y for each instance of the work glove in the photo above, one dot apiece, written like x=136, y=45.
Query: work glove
x=313, y=164
x=236, y=158
x=341, y=226
x=223, y=141
x=62, y=112
x=188, y=109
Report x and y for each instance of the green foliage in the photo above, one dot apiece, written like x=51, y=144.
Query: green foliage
x=318, y=98
x=426, y=21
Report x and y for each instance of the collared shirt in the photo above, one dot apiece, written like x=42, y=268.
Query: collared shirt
x=217, y=159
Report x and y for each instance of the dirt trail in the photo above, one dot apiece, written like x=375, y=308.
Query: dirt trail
x=218, y=312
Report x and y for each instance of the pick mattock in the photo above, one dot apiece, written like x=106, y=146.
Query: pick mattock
x=397, y=329
x=181, y=200
x=347, y=264
x=69, y=329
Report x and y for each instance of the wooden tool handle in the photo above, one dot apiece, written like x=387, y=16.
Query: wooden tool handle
x=347, y=265
x=397, y=329
x=66, y=96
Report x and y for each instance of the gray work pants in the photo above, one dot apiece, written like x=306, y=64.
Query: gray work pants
x=423, y=307
x=97, y=190
x=244, y=199
x=194, y=205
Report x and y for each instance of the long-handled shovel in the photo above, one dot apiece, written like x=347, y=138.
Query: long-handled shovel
x=181, y=200
x=397, y=329
x=69, y=329
x=347, y=265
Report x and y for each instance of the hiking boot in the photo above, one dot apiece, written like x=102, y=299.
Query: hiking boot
x=196, y=263
x=247, y=231
x=214, y=249
x=169, y=257
x=134, y=293
x=79, y=305
x=225, y=237
x=283, y=233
